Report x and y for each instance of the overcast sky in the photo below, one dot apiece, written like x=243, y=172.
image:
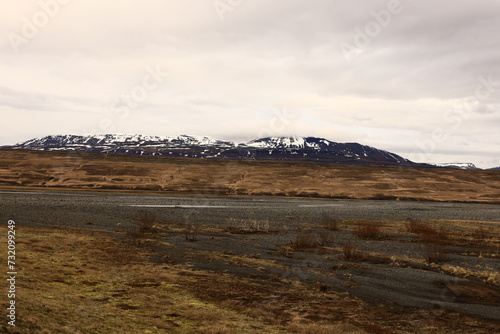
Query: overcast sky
x=418, y=78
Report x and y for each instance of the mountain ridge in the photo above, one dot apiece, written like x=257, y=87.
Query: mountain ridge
x=267, y=148
x=457, y=165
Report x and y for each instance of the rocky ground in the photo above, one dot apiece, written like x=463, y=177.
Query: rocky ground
x=423, y=263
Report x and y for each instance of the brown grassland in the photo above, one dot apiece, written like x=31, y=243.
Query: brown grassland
x=83, y=281
x=74, y=281
x=225, y=177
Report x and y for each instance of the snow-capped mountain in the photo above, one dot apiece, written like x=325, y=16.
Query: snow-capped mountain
x=457, y=165
x=112, y=140
x=279, y=142
x=313, y=149
x=269, y=148
x=188, y=146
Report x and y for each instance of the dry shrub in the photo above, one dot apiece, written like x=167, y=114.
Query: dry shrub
x=146, y=221
x=426, y=233
x=416, y=227
x=310, y=239
x=350, y=251
x=191, y=232
x=306, y=239
x=433, y=240
x=286, y=251
x=368, y=230
x=329, y=223
x=437, y=236
x=434, y=236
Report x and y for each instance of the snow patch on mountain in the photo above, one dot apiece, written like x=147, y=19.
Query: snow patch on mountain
x=459, y=165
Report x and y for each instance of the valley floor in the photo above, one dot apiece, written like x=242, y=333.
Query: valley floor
x=95, y=263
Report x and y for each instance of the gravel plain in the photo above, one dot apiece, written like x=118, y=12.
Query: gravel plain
x=398, y=284
x=105, y=210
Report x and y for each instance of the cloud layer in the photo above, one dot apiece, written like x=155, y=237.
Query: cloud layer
x=419, y=78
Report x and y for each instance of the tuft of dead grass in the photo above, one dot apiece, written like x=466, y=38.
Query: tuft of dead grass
x=368, y=230
x=305, y=239
x=433, y=240
x=329, y=223
x=147, y=221
x=191, y=232
x=311, y=239
x=350, y=252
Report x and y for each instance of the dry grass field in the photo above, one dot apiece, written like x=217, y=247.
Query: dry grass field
x=82, y=281
x=223, y=177
x=74, y=281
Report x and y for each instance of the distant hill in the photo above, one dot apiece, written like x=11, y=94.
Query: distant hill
x=458, y=165
x=269, y=148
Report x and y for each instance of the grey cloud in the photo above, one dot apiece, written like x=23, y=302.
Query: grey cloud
x=484, y=108
x=224, y=75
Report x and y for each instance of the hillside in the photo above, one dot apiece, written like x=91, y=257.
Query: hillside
x=93, y=171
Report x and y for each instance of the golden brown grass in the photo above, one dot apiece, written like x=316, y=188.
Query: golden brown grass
x=368, y=230
x=98, y=172
x=80, y=281
x=350, y=252
x=311, y=239
x=74, y=282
